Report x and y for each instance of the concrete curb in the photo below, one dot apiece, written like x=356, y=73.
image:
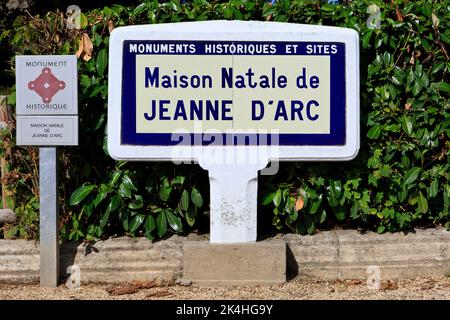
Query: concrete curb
x=346, y=254
x=340, y=254
x=114, y=260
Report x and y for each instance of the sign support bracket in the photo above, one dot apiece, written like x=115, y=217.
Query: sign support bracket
x=233, y=201
x=49, y=212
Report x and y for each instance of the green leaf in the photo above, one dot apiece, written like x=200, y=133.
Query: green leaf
x=125, y=224
x=100, y=121
x=447, y=226
x=354, y=212
x=139, y=9
x=411, y=175
x=102, y=62
x=268, y=198
x=174, y=221
x=105, y=218
x=149, y=224
x=407, y=125
x=422, y=203
x=446, y=199
x=136, y=222
x=410, y=76
x=323, y=216
x=172, y=5
x=164, y=192
x=89, y=208
x=114, y=203
x=425, y=80
x=124, y=191
x=178, y=180
x=137, y=204
x=445, y=37
x=277, y=198
x=374, y=132
x=83, y=21
x=85, y=81
x=112, y=206
x=444, y=86
x=114, y=178
x=433, y=189
x=327, y=8
x=196, y=198
x=293, y=215
x=161, y=224
x=334, y=193
x=402, y=195
x=103, y=192
x=387, y=58
x=416, y=88
x=381, y=229
x=184, y=200
x=190, y=216
x=311, y=228
x=366, y=38
x=340, y=213
x=316, y=205
x=438, y=67
x=80, y=194
x=128, y=183
x=395, y=81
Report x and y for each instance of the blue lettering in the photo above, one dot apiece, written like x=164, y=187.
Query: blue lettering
x=163, y=110
x=281, y=111
x=198, y=109
x=227, y=78
x=180, y=111
x=225, y=110
x=255, y=115
x=212, y=110
x=153, y=114
x=296, y=110
x=153, y=78
x=308, y=110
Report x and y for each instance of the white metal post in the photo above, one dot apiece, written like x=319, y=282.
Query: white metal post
x=49, y=212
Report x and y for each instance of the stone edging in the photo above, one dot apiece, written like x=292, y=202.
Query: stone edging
x=338, y=254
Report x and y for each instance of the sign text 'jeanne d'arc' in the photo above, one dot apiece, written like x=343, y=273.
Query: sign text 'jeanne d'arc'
x=178, y=84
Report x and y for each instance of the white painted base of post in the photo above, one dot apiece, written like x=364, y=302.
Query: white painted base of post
x=233, y=208
x=49, y=212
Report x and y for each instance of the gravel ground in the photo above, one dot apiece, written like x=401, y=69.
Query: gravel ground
x=299, y=288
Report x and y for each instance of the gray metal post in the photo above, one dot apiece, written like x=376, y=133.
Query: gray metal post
x=49, y=211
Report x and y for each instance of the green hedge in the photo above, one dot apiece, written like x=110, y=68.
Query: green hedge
x=398, y=181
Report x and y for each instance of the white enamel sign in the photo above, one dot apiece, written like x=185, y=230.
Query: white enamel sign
x=176, y=90
x=233, y=96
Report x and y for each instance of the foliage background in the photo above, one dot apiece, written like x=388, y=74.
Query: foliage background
x=400, y=179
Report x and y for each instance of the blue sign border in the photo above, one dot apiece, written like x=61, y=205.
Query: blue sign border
x=336, y=137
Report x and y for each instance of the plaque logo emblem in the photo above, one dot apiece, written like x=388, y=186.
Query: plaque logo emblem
x=46, y=85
